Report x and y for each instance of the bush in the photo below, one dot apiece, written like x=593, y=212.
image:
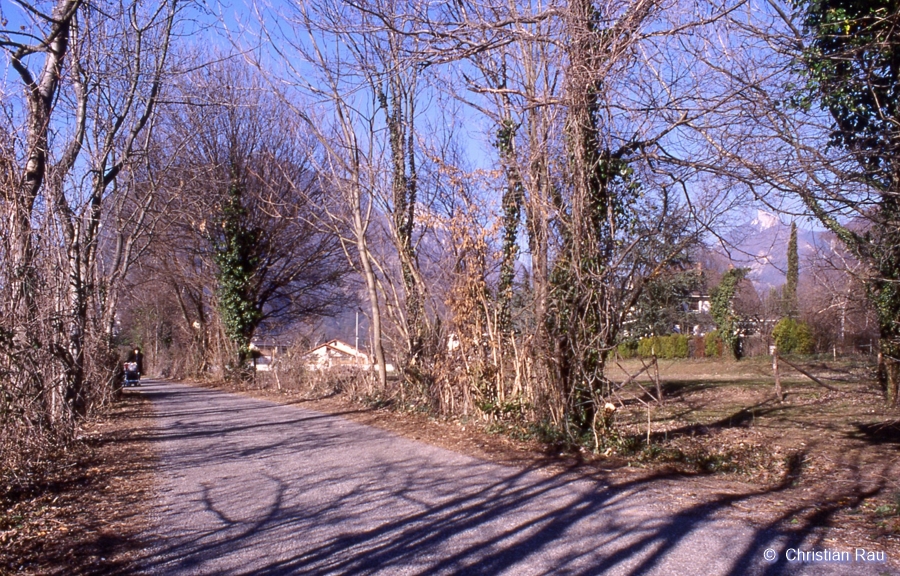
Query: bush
x=665, y=347
x=628, y=349
x=793, y=337
x=681, y=345
x=647, y=347
x=697, y=347
x=713, y=345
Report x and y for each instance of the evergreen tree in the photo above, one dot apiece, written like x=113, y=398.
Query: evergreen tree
x=791, y=307
x=665, y=304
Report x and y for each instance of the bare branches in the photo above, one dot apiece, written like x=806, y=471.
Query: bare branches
x=73, y=113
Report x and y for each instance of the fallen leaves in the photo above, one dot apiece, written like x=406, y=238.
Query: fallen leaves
x=82, y=512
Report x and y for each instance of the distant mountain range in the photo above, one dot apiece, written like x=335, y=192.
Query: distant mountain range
x=761, y=244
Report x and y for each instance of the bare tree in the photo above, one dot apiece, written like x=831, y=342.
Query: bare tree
x=587, y=108
x=75, y=206
x=248, y=212
x=835, y=301
x=503, y=64
x=26, y=159
x=51, y=39
x=363, y=74
x=114, y=107
x=793, y=135
x=601, y=258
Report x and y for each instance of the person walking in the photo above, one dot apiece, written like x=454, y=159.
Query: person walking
x=138, y=358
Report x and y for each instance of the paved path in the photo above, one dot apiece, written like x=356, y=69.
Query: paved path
x=247, y=486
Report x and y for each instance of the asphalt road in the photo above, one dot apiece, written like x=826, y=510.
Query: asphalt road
x=247, y=486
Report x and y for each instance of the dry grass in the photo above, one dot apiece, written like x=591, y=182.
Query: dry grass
x=82, y=512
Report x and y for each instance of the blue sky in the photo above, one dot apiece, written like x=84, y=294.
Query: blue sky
x=229, y=25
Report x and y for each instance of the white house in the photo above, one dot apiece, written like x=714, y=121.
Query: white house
x=265, y=354
x=336, y=353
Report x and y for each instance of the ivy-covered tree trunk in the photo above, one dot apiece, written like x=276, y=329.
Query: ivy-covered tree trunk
x=237, y=258
x=580, y=325
x=574, y=292
x=513, y=198
x=884, y=291
x=587, y=297
x=399, y=111
x=721, y=307
x=852, y=65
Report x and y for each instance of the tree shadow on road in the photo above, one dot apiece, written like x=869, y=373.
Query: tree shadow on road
x=340, y=506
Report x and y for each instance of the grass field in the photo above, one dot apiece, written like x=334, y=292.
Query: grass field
x=836, y=449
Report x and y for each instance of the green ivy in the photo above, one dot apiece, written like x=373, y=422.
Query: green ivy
x=722, y=310
x=236, y=257
x=852, y=67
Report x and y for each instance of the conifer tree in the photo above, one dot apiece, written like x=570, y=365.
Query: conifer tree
x=793, y=275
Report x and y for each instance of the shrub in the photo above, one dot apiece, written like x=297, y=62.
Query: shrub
x=713, y=345
x=697, y=348
x=680, y=345
x=647, y=347
x=665, y=347
x=793, y=337
x=628, y=349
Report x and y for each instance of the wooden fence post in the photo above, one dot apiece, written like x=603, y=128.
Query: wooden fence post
x=778, y=393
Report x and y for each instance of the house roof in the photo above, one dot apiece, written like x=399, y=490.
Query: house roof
x=259, y=342
x=339, y=347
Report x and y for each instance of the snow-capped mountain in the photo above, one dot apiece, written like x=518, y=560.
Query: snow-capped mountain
x=764, y=220
x=761, y=245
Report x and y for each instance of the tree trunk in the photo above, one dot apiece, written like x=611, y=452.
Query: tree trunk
x=889, y=372
x=360, y=225
x=372, y=289
x=512, y=209
x=40, y=95
x=893, y=382
x=400, y=113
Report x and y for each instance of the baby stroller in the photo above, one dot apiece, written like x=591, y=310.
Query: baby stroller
x=132, y=376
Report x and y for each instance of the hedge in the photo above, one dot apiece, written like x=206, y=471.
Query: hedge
x=666, y=347
x=713, y=345
x=793, y=337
